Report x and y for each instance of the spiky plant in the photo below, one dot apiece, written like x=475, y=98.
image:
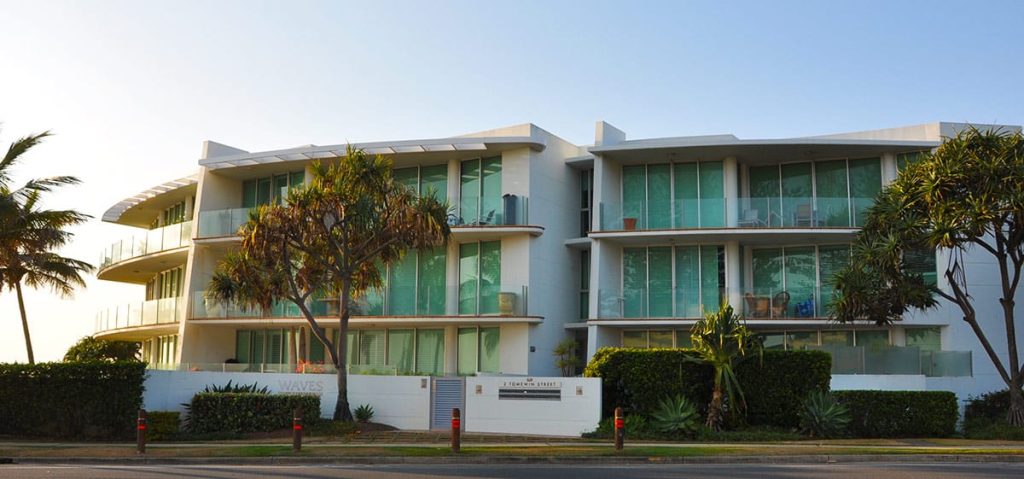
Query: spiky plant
x=823, y=416
x=722, y=340
x=675, y=414
x=363, y=413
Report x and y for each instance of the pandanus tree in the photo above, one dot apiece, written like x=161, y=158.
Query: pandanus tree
x=722, y=341
x=966, y=198
x=330, y=240
x=30, y=235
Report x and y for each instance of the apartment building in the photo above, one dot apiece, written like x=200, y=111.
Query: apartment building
x=620, y=243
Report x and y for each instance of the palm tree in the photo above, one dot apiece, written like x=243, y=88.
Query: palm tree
x=29, y=235
x=722, y=340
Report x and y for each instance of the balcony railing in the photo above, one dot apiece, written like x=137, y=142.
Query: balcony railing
x=779, y=303
x=153, y=241
x=301, y=368
x=490, y=211
x=766, y=212
x=659, y=302
x=143, y=313
x=217, y=223
x=491, y=300
x=897, y=360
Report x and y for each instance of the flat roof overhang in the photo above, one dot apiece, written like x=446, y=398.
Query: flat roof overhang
x=753, y=151
x=401, y=152
x=139, y=210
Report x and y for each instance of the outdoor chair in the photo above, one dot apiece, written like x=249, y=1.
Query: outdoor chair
x=780, y=304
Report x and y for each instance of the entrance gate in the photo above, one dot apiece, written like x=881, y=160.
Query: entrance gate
x=445, y=394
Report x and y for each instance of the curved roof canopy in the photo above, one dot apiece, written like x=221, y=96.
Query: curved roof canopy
x=138, y=210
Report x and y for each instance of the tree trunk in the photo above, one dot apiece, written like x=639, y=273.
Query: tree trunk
x=715, y=414
x=24, y=324
x=1015, y=416
x=342, y=411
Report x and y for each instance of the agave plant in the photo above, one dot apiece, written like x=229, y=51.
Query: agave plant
x=675, y=414
x=823, y=416
x=363, y=413
x=237, y=388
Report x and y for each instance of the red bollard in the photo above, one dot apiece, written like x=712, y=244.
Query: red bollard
x=140, y=433
x=620, y=429
x=297, y=430
x=456, y=430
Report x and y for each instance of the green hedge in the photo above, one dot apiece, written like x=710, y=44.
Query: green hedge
x=877, y=414
x=240, y=413
x=637, y=379
x=92, y=400
x=162, y=425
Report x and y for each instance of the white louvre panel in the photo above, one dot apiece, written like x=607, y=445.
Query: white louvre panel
x=447, y=395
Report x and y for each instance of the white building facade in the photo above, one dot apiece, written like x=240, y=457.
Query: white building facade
x=622, y=243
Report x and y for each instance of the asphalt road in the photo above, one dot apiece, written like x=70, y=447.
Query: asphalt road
x=872, y=471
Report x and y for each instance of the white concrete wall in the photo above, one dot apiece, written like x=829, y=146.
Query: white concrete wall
x=578, y=411
x=399, y=401
x=553, y=275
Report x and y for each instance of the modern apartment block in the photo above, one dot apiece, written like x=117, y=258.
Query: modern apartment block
x=622, y=243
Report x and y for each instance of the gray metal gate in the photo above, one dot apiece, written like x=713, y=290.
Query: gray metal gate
x=446, y=393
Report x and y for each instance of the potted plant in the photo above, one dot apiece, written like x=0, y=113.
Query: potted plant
x=629, y=224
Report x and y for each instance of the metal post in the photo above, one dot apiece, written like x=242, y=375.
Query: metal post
x=620, y=429
x=456, y=430
x=140, y=432
x=297, y=430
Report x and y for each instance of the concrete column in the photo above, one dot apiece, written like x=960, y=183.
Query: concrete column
x=730, y=172
x=732, y=274
x=599, y=337
x=889, y=171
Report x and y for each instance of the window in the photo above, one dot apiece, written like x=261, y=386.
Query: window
x=926, y=339
x=586, y=200
x=166, y=284
x=175, y=214
x=644, y=339
x=584, y=307
x=872, y=339
x=786, y=281
x=680, y=195
x=479, y=277
x=905, y=159
x=413, y=286
x=833, y=193
x=272, y=189
x=478, y=350
x=662, y=281
x=425, y=180
x=262, y=346
x=922, y=262
x=480, y=201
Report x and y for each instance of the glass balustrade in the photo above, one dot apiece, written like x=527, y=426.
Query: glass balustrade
x=280, y=368
x=659, y=302
x=897, y=360
x=142, y=313
x=152, y=241
x=491, y=211
x=750, y=212
x=468, y=299
x=218, y=223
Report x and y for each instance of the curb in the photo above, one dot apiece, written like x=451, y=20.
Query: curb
x=554, y=460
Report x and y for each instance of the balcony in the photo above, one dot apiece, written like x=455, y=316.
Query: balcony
x=661, y=303
x=897, y=360
x=153, y=241
x=221, y=223
x=492, y=300
x=144, y=313
x=749, y=213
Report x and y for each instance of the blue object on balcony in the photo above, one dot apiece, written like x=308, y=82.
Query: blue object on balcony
x=806, y=308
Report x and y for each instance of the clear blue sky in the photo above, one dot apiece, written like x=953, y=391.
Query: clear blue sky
x=132, y=88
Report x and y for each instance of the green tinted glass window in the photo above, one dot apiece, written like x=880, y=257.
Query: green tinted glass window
x=400, y=349
x=712, y=194
x=634, y=339
x=469, y=273
x=434, y=180
x=660, y=339
x=686, y=210
x=659, y=197
x=927, y=339
x=490, y=340
x=801, y=340
x=402, y=286
x=837, y=338
x=430, y=295
x=688, y=281
x=490, y=276
x=832, y=204
x=634, y=282
x=467, y=351
x=659, y=281
x=634, y=193
x=430, y=352
x=865, y=184
x=797, y=209
x=872, y=339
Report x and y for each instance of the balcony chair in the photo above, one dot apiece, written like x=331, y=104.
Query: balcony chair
x=757, y=306
x=780, y=304
x=804, y=216
x=751, y=219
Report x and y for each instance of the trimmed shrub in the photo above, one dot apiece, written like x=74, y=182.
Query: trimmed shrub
x=876, y=414
x=162, y=425
x=241, y=413
x=91, y=400
x=637, y=379
x=985, y=417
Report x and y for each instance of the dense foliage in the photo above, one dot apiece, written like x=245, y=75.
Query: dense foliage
x=723, y=341
x=900, y=413
x=162, y=425
x=237, y=388
x=92, y=349
x=967, y=200
x=241, y=413
x=94, y=400
x=637, y=379
x=675, y=414
x=985, y=417
x=823, y=416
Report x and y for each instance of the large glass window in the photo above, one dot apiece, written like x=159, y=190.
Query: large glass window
x=679, y=195
x=413, y=286
x=430, y=352
x=401, y=349
x=833, y=192
x=865, y=184
x=424, y=180
x=922, y=261
x=661, y=281
x=262, y=346
x=812, y=194
x=478, y=351
x=926, y=339
x=584, y=307
x=480, y=200
x=786, y=280
x=479, y=277
x=586, y=200
x=271, y=189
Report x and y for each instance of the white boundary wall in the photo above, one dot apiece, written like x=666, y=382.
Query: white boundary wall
x=879, y=382
x=577, y=411
x=399, y=401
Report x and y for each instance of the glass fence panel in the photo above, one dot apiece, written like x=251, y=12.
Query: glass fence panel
x=892, y=360
x=217, y=223
x=492, y=211
x=947, y=363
